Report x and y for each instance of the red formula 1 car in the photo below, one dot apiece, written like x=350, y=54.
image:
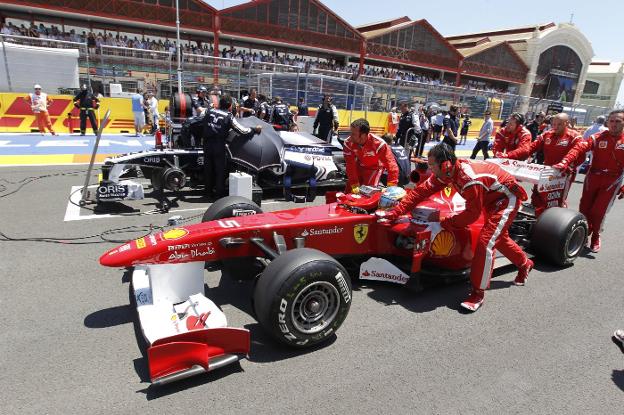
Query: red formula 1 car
x=304, y=260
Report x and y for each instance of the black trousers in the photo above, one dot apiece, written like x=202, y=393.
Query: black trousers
x=215, y=166
x=323, y=132
x=83, y=121
x=483, y=146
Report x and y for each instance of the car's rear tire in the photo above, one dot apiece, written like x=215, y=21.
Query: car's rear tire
x=228, y=207
x=559, y=235
x=302, y=297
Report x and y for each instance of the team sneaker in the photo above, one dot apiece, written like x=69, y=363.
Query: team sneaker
x=595, y=244
x=523, y=273
x=619, y=336
x=474, y=300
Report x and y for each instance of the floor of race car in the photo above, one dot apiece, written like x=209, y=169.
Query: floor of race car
x=70, y=343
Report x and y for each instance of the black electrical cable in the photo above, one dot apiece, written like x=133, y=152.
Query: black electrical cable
x=83, y=240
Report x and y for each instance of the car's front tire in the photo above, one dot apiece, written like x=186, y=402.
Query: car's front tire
x=302, y=297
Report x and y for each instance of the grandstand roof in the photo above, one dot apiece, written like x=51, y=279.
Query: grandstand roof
x=303, y=23
x=495, y=59
x=507, y=34
x=409, y=42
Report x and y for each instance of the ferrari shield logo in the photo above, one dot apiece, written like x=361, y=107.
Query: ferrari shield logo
x=360, y=232
x=447, y=191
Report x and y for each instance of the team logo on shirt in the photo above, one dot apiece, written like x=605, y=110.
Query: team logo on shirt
x=602, y=144
x=547, y=141
x=448, y=190
x=563, y=143
x=619, y=146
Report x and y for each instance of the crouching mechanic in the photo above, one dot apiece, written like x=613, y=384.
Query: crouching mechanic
x=217, y=126
x=555, y=145
x=487, y=188
x=603, y=181
x=367, y=157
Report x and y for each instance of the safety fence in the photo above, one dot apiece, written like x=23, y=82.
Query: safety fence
x=140, y=69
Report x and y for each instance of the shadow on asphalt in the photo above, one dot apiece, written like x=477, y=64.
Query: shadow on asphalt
x=618, y=378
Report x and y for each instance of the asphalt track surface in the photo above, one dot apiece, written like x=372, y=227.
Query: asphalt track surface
x=69, y=337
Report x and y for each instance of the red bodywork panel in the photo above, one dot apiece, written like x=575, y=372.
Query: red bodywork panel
x=331, y=228
x=183, y=351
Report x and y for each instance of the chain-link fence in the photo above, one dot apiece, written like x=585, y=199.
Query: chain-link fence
x=152, y=70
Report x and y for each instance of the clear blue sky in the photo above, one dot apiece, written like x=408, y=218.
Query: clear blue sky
x=601, y=21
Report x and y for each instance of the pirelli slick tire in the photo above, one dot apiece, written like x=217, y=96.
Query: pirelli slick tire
x=559, y=235
x=230, y=207
x=302, y=297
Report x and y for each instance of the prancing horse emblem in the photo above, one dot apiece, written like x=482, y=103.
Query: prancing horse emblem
x=360, y=232
x=448, y=190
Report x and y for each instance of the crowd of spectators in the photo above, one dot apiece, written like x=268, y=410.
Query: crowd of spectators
x=248, y=56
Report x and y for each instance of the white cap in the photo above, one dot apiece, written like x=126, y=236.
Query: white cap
x=37, y=86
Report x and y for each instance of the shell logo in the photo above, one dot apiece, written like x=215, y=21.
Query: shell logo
x=173, y=234
x=443, y=244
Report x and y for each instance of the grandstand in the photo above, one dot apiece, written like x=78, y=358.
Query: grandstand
x=132, y=42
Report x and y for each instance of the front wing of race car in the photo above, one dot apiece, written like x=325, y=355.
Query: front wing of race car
x=187, y=333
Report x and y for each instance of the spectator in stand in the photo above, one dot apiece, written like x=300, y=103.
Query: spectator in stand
x=138, y=109
x=463, y=135
x=39, y=102
x=483, y=141
x=450, y=126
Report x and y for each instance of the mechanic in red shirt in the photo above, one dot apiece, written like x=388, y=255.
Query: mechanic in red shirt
x=488, y=189
x=554, y=144
x=513, y=140
x=604, y=178
x=367, y=157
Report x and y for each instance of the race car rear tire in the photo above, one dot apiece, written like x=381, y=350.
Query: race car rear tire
x=302, y=297
x=559, y=235
x=228, y=207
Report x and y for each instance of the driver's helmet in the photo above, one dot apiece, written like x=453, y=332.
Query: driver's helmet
x=391, y=197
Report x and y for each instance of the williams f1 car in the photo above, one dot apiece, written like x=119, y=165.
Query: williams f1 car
x=284, y=160
x=303, y=260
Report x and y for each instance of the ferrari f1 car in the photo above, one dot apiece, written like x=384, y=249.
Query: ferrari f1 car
x=287, y=160
x=303, y=260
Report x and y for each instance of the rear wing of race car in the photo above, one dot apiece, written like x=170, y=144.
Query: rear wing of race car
x=551, y=184
x=544, y=177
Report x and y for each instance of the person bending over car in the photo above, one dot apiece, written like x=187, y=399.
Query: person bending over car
x=554, y=144
x=603, y=181
x=488, y=189
x=513, y=140
x=367, y=157
x=217, y=126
